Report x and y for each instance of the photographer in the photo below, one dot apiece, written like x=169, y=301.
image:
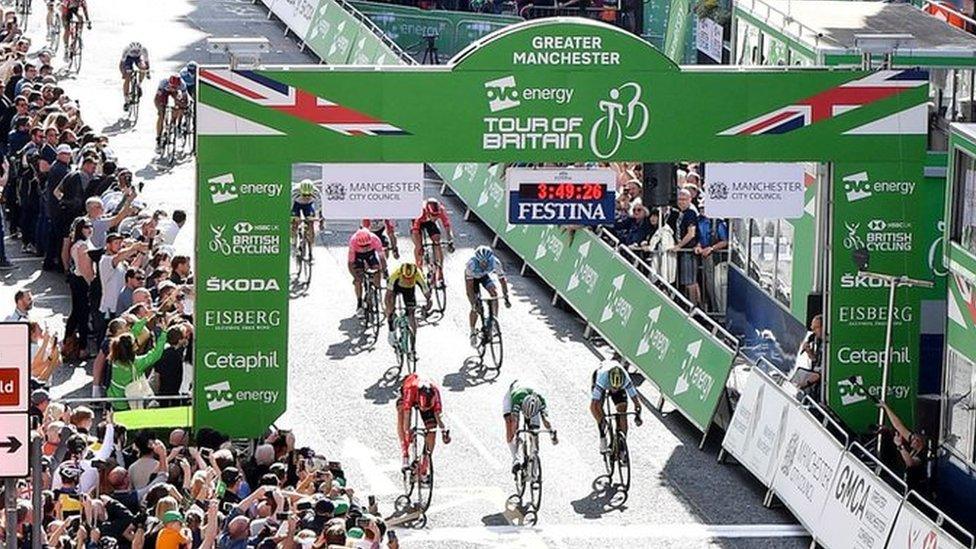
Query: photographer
x=914, y=453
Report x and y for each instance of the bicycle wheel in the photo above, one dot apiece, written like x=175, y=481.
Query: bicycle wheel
x=76, y=50
x=374, y=314
x=623, y=462
x=401, y=345
x=426, y=491
x=522, y=472
x=54, y=34
x=133, y=107
x=440, y=296
x=494, y=333
x=609, y=457
x=535, y=481
x=307, y=258
x=411, y=348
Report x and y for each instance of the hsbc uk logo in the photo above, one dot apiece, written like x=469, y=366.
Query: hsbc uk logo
x=247, y=239
x=858, y=186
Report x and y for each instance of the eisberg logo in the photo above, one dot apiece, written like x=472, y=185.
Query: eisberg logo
x=868, y=315
x=215, y=284
x=502, y=94
x=223, y=188
x=242, y=320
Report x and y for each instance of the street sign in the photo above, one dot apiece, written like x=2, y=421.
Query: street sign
x=13, y=445
x=14, y=359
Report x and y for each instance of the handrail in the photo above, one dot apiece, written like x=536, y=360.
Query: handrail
x=109, y=400
x=941, y=519
x=378, y=32
x=879, y=469
x=787, y=20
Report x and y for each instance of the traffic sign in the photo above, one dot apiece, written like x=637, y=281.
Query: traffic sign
x=14, y=366
x=13, y=445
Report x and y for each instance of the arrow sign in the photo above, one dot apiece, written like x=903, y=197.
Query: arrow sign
x=654, y=314
x=645, y=343
x=618, y=283
x=681, y=386
x=574, y=279
x=12, y=444
x=694, y=348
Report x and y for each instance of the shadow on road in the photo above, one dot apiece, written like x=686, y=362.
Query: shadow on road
x=472, y=374
x=386, y=388
x=606, y=497
x=354, y=342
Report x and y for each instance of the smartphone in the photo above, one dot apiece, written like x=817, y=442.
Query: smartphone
x=281, y=516
x=362, y=522
x=372, y=501
x=391, y=536
x=335, y=465
x=205, y=453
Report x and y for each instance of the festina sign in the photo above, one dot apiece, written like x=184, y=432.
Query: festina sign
x=573, y=196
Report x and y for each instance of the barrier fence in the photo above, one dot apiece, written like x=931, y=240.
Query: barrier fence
x=841, y=493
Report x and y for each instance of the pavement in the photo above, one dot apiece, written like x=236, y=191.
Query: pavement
x=340, y=392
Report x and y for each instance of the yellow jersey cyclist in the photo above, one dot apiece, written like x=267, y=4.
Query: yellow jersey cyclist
x=404, y=282
x=610, y=379
x=483, y=270
x=522, y=401
x=303, y=199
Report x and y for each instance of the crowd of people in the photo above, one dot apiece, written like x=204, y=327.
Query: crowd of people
x=622, y=13
x=689, y=249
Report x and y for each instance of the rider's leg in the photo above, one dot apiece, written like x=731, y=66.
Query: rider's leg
x=430, y=442
x=357, y=284
x=388, y=308
x=471, y=289
x=160, y=114
x=412, y=318
x=294, y=228
x=418, y=248
x=596, y=410
x=493, y=291
x=622, y=420
x=310, y=231
x=438, y=257
x=126, y=79
x=403, y=432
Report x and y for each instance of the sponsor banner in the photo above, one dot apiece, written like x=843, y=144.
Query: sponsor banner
x=338, y=38
x=561, y=197
x=241, y=295
x=744, y=190
x=375, y=191
x=681, y=358
x=709, y=40
x=758, y=420
x=913, y=530
x=408, y=26
x=860, y=509
x=885, y=219
x=805, y=467
x=676, y=33
x=296, y=14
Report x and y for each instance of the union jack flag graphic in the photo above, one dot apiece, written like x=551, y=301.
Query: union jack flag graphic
x=296, y=102
x=833, y=102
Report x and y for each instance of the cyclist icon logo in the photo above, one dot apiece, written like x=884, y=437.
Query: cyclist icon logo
x=609, y=131
x=219, y=244
x=852, y=241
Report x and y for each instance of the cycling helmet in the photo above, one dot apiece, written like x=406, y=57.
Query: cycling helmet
x=432, y=206
x=191, y=67
x=483, y=254
x=306, y=187
x=616, y=378
x=70, y=472
x=174, y=81
x=408, y=270
x=363, y=238
x=531, y=406
x=425, y=393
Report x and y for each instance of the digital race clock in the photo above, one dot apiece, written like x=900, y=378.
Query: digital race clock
x=576, y=196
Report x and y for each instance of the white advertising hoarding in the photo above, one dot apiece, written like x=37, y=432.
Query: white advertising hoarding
x=709, y=38
x=754, y=432
x=376, y=191
x=913, y=530
x=805, y=467
x=860, y=508
x=761, y=190
x=295, y=14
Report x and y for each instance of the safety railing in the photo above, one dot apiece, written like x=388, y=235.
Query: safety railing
x=378, y=32
x=777, y=18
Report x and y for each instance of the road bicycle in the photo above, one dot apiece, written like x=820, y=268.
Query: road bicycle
x=23, y=13
x=489, y=331
x=54, y=32
x=617, y=457
x=168, y=137
x=418, y=490
x=405, y=340
x=435, y=274
x=372, y=315
x=134, y=95
x=187, y=131
x=303, y=252
x=75, y=44
x=528, y=474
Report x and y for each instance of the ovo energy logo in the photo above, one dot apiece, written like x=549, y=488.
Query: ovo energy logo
x=625, y=117
x=223, y=188
x=502, y=94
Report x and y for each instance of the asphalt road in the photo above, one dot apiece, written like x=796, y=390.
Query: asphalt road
x=340, y=401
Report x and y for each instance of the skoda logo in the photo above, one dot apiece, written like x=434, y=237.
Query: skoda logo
x=243, y=227
x=877, y=225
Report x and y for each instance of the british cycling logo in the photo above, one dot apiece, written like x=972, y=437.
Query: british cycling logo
x=609, y=131
x=224, y=188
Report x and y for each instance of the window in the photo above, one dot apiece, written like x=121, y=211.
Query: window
x=768, y=257
x=959, y=417
x=964, y=202
x=784, y=262
x=739, y=237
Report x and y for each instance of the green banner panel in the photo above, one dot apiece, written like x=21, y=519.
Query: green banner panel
x=679, y=356
x=680, y=26
x=889, y=211
x=338, y=38
x=407, y=26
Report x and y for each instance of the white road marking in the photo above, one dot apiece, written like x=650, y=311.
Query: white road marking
x=489, y=458
x=508, y=534
x=375, y=477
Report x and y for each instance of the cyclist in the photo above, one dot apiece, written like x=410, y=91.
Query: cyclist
x=303, y=199
x=404, y=281
x=134, y=55
x=51, y=15
x=382, y=229
x=610, y=379
x=171, y=86
x=482, y=270
x=423, y=395
x=520, y=399
x=189, y=75
x=69, y=11
x=365, y=251
x=432, y=212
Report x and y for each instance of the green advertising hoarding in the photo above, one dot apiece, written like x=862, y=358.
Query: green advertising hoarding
x=887, y=210
x=680, y=26
x=542, y=91
x=407, y=26
x=687, y=363
x=338, y=38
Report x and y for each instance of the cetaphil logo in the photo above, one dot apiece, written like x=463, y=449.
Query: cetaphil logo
x=217, y=284
x=219, y=396
x=241, y=361
x=862, y=356
x=625, y=117
x=223, y=188
x=242, y=320
x=851, y=392
x=502, y=94
x=858, y=186
x=248, y=239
